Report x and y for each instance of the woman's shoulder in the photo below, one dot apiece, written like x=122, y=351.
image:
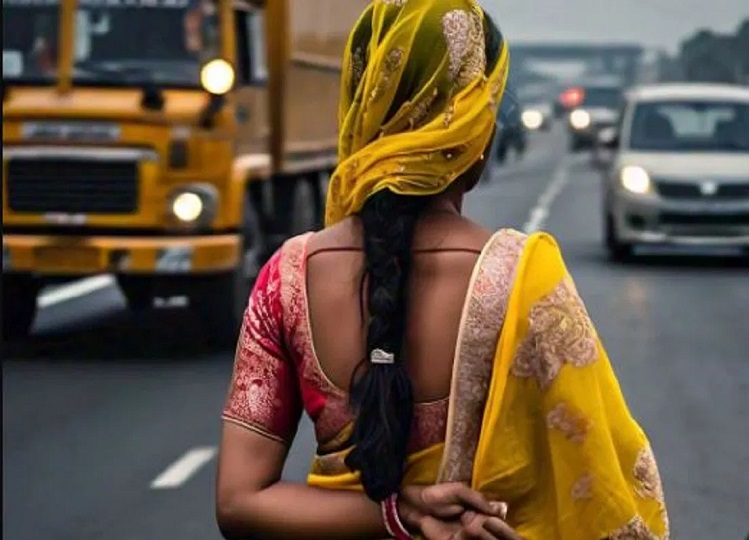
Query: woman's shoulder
x=523, y=241
x=523, y=255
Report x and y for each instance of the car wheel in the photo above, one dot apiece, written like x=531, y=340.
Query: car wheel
x=618, y=251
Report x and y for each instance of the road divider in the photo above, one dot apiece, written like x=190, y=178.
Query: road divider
x=184, y=468
x=540, y=212
x=76, y=289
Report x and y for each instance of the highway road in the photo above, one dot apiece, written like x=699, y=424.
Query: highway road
x=110, y=421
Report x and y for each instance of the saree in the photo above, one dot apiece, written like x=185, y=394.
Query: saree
x=536, y=416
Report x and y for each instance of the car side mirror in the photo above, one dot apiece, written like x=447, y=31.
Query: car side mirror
x=608, y=138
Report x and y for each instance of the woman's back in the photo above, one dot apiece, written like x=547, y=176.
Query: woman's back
x=446, y=247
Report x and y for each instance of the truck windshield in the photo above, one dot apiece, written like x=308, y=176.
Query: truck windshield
x=691, y=126
x=30, y=35
x=134, y=42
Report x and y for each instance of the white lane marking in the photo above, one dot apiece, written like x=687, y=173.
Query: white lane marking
x=185, y=467
x=73, y=290
x=540, y=212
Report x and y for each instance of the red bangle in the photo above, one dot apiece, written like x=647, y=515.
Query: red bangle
x=393, y=523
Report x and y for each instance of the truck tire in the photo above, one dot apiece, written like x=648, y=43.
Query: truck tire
x=138, y=291
x=220, y=300
x=19, y=305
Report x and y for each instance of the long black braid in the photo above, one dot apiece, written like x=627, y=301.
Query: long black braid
x=381, y=395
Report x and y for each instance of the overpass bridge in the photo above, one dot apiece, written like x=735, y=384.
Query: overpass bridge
x=620, y=59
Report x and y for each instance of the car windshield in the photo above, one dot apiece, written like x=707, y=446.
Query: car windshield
x=30, y=36
x=116, y=42
x=691, y=126
x=602, y=97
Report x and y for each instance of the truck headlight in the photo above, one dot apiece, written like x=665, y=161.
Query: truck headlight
x=635, y=179
x=217, y=77
x=195, y=204
x=580, y=119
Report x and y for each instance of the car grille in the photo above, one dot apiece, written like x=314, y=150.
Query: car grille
x=733, y=219
x=72, y=186
x=684, y=190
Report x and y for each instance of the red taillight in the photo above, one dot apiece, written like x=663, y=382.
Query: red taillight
x=572, y=97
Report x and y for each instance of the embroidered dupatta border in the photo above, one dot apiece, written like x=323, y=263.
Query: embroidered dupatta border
x=481, y=324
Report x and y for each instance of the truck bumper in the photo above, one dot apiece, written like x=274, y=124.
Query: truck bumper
x=80, y=256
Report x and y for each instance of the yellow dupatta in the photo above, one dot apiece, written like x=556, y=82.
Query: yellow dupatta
x=556, y=440
x=536, y=417
x=418, y=101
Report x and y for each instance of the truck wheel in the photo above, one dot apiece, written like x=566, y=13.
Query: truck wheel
x=219, y=301
x=19, y=305
x=138, y=291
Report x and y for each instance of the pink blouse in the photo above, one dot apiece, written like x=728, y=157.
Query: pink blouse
x=277, y=373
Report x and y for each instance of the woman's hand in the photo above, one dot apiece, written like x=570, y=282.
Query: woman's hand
x=471, y=526
x=453, y=512
x=443, y=501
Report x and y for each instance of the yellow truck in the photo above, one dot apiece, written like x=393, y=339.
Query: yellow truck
x=171, y=143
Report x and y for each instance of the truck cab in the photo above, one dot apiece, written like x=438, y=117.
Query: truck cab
x=133, y=134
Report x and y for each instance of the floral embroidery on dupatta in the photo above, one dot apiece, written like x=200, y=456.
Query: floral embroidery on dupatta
x=649, y=485
x=636, y=529
x=572, y=425
x=483, y=315
x=560, y=333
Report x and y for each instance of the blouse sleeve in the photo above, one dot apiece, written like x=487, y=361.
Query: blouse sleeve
x=264, y=393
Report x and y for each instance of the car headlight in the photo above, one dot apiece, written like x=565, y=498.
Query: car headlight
x=193, y=205
x=580, y=119
x=532, y=119
x=217, y=76
x=635, y=179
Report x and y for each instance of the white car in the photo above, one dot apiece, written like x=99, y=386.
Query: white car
x=679, y=172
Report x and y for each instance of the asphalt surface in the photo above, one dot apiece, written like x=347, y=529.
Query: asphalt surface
x=102, y=402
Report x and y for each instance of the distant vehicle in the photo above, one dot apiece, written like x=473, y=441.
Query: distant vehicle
x=538, y=111
x=537, y=116
x=591, y=108
x=679, y=173
x=511, y=134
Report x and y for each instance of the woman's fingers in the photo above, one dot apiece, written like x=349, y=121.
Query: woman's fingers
x=469, y=499
x=473, y=528
x=436, y=529
x=500, y=529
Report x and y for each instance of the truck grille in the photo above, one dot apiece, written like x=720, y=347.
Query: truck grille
x=72, y=185
x=685, y=190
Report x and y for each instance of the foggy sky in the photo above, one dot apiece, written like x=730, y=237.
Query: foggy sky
x=658, y=23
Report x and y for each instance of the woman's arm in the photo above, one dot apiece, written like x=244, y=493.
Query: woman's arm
x=253, y=502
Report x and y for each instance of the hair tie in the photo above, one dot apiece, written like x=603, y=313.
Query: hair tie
x=378, y=356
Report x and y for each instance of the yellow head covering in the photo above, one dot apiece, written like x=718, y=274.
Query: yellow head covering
x=418, y=101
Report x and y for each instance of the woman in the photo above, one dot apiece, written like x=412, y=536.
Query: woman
x=456, y=384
